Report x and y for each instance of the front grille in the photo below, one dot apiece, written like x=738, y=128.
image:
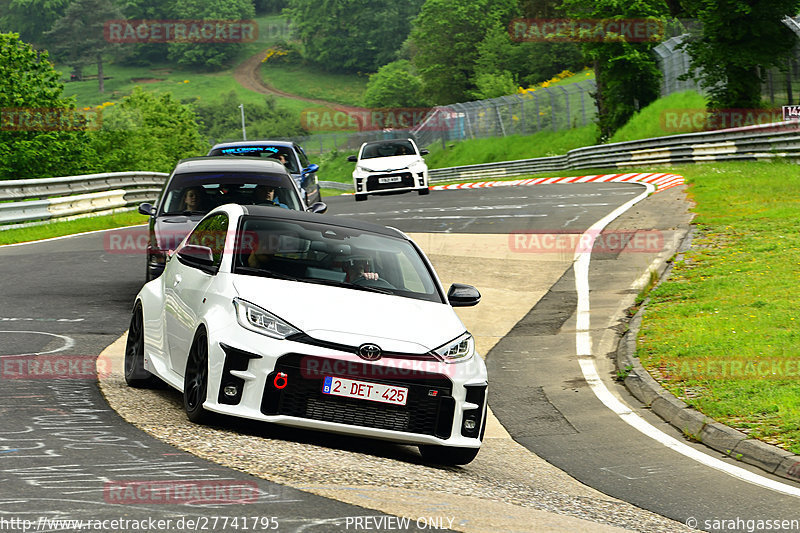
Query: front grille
x=373, y=185
x=429, y=409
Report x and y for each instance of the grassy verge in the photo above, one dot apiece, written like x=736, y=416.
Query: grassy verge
x=311, y=82
x=670, y=115
x=722, y=332
x=71, y=227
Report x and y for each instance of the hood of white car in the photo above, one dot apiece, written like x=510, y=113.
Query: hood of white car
x=352, y=316
x=389, y=163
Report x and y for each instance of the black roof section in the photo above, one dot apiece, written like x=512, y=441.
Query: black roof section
x=303, y=216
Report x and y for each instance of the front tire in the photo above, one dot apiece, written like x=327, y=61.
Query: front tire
x=423, y=192
x=361, y=197
x=135, y=373
x=447, y=455
x=195, y=380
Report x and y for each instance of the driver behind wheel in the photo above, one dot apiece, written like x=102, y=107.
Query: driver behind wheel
x=357, y=268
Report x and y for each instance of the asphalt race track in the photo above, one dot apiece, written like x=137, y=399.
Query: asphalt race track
x=64, y=452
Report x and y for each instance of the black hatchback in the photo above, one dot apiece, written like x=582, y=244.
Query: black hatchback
x=200, y=184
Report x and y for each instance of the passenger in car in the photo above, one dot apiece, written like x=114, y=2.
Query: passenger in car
x=265, y=195
x=193, y=199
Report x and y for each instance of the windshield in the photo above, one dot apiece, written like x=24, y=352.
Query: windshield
x=281, y=154
x=333, y=255
x=387, y=149
x=200, y=192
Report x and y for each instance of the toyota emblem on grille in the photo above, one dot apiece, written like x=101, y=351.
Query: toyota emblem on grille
x=370, y=352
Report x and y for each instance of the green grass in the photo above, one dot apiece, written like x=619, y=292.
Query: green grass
x=71, y=227
x=311, y=82
x=183, y=83
x=722, y=332
x=670, y=115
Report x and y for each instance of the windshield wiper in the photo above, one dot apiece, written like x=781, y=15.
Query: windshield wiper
x=346, y=285
x=265, y=273
x=185, y=213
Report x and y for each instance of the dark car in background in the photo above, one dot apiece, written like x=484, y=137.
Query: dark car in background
x=288, y=153
x=198, y=185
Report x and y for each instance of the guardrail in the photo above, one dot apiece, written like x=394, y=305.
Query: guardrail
x=751, y=143
x=31, y=201
x=49, y=198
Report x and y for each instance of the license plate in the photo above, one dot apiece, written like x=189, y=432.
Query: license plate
x=391, y=179
x=376, y=392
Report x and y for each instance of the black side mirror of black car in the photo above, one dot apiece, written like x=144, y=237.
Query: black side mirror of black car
x=424, y=152
x=147, y=209
x=317, y=207
x=196, y=256
x=461, y=295
x=352, y=158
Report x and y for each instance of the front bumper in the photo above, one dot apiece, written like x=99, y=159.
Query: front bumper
x=386, y=182
x=446, y=403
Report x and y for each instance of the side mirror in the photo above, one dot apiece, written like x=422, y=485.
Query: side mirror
x=424, y=152
x=352, y=158
x=461, y=295
x=147, y=209
x=317, y=207
x=197, y=256
x=310, y=169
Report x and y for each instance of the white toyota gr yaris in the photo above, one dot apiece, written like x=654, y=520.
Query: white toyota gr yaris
x=313, y=321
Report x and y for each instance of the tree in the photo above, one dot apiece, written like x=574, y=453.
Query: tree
x=222, y=120
x=208, y=55
x=148, y=132
x=738, y=37
x=352, y=35
x=445, y=39
x=30, y=18
x=626, y=73
x=77, y=37
x=29, y=85
x=394, y=85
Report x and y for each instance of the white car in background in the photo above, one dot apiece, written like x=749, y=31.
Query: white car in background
x=316, y=322
x=389, y=166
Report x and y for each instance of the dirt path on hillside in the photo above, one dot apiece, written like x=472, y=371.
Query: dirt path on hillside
x=248, y=75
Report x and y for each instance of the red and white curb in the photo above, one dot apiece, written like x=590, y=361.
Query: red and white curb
x=660, y=181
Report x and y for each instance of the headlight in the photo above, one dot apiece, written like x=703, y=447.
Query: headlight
x=364, y=169
x=254, y=318
x=458, y=350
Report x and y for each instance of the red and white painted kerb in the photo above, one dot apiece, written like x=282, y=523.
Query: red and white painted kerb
x=660, y=181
